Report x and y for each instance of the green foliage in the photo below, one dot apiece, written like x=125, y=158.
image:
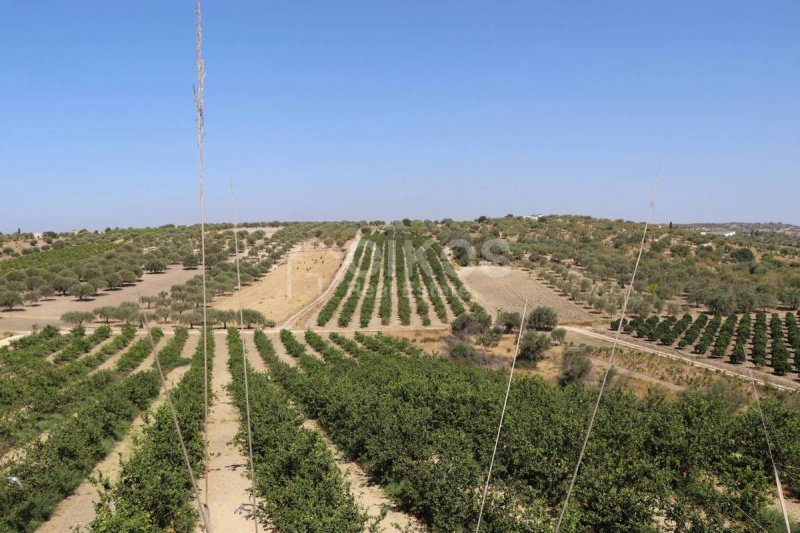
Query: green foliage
x=137, y=353
x=327, y=311
x=508, y=320
x=650, y=456
x=77, y=318
x=51, y=470
x=533, y=345
x=296, y=475
x=575, y=365
x=170, y=355
x=154, y=490
x=9, y=299
x=462, y=350
x=82, y=345
x=543, y=318
x=558, y=335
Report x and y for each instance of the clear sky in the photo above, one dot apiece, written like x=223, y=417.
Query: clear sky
x=386, y=109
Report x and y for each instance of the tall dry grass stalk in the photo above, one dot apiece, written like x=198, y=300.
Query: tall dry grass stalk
x=201, y=133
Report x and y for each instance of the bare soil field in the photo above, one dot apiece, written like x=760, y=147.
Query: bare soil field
x=504, y=288
x=291, y=286
x=50, y=311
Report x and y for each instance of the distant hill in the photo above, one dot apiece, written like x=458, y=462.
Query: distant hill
x=744, y=227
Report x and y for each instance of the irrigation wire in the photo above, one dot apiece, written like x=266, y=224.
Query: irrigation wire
x=244, y=361
x=502, y=417
x=778, y=485
x=168, y=397
x=610, y=362
x=198, y=100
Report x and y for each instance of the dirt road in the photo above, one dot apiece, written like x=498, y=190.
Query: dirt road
x=716, y=365
x=227, y=468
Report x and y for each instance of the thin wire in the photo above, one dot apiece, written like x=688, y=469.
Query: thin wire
x=502, y=417
x=778, y=485
x=756, y=522
x=244, y=361
x=198, y=100
x=175, y=422
x=610, y=361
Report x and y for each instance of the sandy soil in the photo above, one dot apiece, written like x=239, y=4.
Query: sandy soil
x=498, y=287
x=280, y=350
x=252, y=353
x=228, y=482
x=307, y=315
x=111, y=362
x=50, y=311
x=290, y=286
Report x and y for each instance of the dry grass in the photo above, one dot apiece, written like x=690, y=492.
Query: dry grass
x=290, y=286
x=507, y=288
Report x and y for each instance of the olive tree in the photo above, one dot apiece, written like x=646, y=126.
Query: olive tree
x=533, y=345
x=77, y=318
x=543, y=318
x=10, y=299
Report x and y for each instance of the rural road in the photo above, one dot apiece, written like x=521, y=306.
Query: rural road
x=771, y=381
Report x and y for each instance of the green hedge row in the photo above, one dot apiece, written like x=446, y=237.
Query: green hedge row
x=154, y=492
x=296, y=475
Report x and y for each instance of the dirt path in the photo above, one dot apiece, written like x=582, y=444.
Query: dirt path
x=356, y=319
x=93, y=351
x=111, y=362
x=334, y=321
x=252, y=353
x=78, y=508
x=368, y=496
x=280, y=351
x=309, y=311
x=716, y=365
x=375, y=319
x=415, y=320
x=228, y=483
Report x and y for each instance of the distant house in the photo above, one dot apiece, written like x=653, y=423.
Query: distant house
x=532, y=217
x=720, y=233
x=38, y=235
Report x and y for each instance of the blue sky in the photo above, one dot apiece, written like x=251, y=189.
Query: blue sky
x=380, y=110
